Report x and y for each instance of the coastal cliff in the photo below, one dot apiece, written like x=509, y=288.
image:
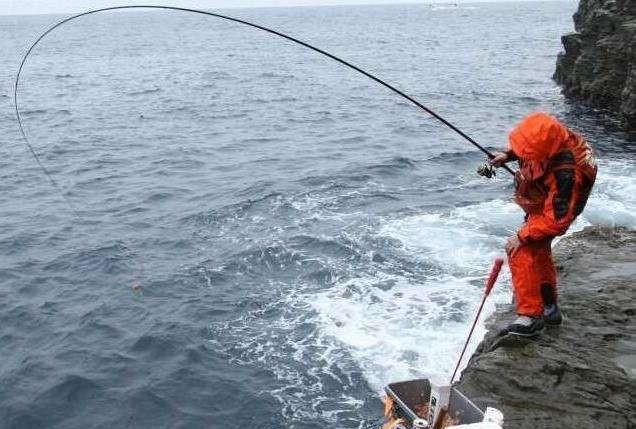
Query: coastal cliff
x=598, y=65
x=583, y=373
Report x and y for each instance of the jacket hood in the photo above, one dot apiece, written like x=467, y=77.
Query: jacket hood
x=538, y=137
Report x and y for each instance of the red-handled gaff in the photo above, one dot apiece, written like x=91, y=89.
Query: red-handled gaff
x=490, y=283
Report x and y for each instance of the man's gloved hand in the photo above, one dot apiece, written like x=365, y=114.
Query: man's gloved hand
x=499, y=159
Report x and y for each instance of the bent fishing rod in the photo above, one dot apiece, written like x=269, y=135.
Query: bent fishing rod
x=235, y=20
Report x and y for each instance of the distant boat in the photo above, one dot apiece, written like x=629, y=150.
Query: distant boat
x=443, y=6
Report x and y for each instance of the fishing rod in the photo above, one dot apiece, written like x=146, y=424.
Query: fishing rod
x=239, y=21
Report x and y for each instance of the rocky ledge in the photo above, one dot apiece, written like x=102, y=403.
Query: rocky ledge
x=598, y=66
x=581, y=374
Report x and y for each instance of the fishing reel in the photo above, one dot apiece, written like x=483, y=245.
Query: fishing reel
x=486, y=170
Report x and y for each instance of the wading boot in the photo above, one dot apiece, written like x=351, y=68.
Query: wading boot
x=552, y=315
x=551, y=311
x=524, y=326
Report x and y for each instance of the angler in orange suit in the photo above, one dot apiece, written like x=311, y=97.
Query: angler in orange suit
x=555, y=177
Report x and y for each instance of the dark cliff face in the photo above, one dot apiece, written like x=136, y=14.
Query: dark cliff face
x=598, y=66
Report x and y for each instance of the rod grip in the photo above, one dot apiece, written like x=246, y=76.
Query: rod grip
x=494, y=273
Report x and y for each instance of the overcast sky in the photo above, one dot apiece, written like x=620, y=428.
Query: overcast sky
x=19, y=7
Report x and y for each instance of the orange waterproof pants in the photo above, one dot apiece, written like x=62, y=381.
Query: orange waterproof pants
x=533, y=274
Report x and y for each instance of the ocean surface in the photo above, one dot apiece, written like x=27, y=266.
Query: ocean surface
x=299, y=235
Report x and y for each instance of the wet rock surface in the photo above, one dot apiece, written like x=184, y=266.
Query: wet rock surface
x=581, y=374
x=598, y=65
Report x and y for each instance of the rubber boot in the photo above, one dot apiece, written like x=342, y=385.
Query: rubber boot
x=524, y=326
x=551, y=312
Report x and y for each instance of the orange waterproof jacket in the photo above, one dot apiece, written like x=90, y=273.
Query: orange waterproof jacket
x=557, y=171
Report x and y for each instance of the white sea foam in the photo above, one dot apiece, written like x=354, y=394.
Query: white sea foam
x=459, y=239
x=613, y=201
x=408, y=331
x=417, y=328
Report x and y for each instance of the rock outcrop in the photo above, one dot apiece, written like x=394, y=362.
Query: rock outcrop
x=583, y=373
x=598, y=66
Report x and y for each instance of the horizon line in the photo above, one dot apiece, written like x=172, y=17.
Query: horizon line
x=399, y=3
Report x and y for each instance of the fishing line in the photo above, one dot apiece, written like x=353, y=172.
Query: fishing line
x=227, y=18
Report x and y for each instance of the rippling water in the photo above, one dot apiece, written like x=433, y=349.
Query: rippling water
x=301, y=236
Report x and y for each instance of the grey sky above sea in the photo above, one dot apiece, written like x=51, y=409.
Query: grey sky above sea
x=20, y=7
